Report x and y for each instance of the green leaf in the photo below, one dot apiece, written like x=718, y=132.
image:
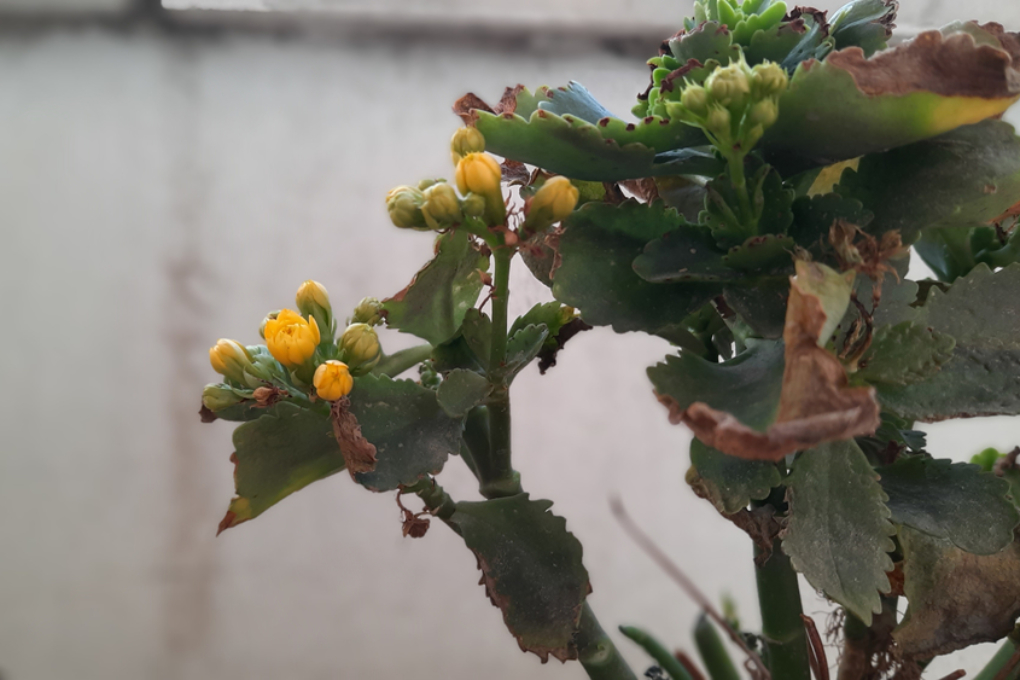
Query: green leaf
x=866, y=24
x=849, y=106
x=954, y=251
x=477, y=333
x=531, y=567
x=905, y=354
x=981, y=312
x=433, y=305
x=963, y=178
x=597, y=248
x=957, y=502
x=461, y=391
x=686, y=254
x=838, y=532
x=522, y=347
x=278, y=454
x=457, y=354
x=956, y=599
x=731, y=483
x=552, y=315
x=747, y=386
x=412, y=434
x=766, y=253
x=762, y=307
x=814, y=216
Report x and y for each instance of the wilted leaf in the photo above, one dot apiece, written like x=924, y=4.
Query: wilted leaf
x=956, y=599
x=816, y=404
x=838, y=532
x=433, y=305
x=412, y=434
x=731, y=483
x=279, y=454
x=597, y=248
x=461, y=391
x=957, y=502
x=531, y=568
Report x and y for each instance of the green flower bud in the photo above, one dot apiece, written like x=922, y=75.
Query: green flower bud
x=695, y=100
x=763, y=113
x=359, y=347
x=553, y=202
x=769, y=79
x=217, y=397
x=404, y=206
x=752, y=136
x=369, y=311
x=313, y=300
x=473, y=205
x=271, y=316
x=466, y=140
x=718, y=121
x=426, y=183
x=729, y=86
x=230, y=359
x=442, y=206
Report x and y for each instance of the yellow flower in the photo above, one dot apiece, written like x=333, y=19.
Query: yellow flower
x=360, y=347
x=332, y=380
x=466, y=140
x=229, y=358
x=479, y=173
x=291, y=339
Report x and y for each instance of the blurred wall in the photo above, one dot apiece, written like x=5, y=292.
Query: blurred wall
x=163, y=188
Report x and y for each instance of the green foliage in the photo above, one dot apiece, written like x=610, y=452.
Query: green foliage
x=728, y=482
x=461, y=391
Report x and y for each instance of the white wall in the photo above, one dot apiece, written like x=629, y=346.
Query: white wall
x=158, y=193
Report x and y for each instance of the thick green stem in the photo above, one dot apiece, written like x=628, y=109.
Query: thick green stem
x=1000, y=661
x=662, y=656
x=394, y=364
x=781, y=625
x=739, y=180
x=597, y=653
x=498, y=476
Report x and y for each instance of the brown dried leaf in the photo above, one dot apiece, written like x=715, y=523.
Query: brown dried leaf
x=816, y=404
x=359, y=454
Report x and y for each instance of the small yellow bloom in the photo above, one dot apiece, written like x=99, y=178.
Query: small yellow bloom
x=332, y=380
x=229, y=358
x=553, y=202
x=466, y=140
x=479, y=173
x=291, y=339
x=360, y=347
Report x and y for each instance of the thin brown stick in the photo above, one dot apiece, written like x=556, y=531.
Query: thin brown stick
x=662, y=559
x=689, y=665
x=1011, y=665
x=955, y=675
x=819, y=662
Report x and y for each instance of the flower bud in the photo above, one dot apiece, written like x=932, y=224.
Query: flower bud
x=718, y=121
x=729, y=86
x=313, y=301
x=466, y=140
x=763, y=113
x=291, y=339
x=442, y=206
x=769, y=79
x=369, y=311
x=404, y=206
x=332, y=380
x=554, y=201
x=269, y=317
x=479, y=173
x=359, y=346
x=426, y=183
x=217, y=397
x=473, y=205
x=695, y=100
x=230, y=359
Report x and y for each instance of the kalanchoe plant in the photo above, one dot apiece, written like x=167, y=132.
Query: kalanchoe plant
x=759, y=215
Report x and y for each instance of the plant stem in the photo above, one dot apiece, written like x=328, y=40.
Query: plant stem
x=666, y=661
x=394, y=364
x=739, y=180
x=862, y=643
x=781, y=625
x=1000, y=661
x=498, y=476
x=597, y=653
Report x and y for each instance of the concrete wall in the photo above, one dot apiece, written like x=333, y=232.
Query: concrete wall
x=158, y=192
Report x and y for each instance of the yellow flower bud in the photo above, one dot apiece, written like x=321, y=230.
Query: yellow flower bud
x=217, y=397
x=466, y=140
x=554, y=201
x=404, y=206
x=473, y=205
x=442, y=206
x=763, y=113
x=369, y=311
x=332, y=380
x=769, y=79
x=359, y=346
x=718, y=121
x=479, y=173
x=695, y=100
x=313, y=301
x=230, y=359
x=729, y=86
x=291, y=339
